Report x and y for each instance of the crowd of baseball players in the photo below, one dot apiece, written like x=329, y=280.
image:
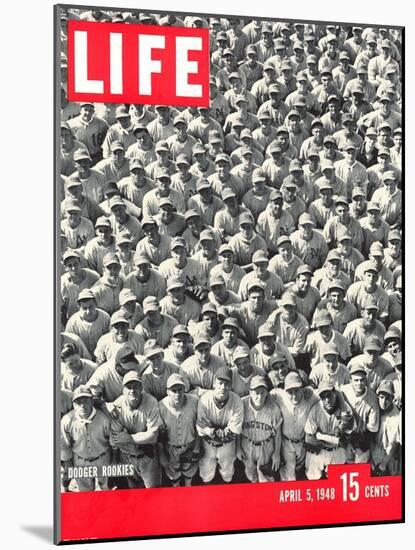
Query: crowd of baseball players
x=231, y=277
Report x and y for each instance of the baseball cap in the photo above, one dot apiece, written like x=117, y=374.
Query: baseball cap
x=329, y=349
x=275, y=195
x=192, y=213
x=292, y=381
x=394, y=235
x=116, y=201
x=274, y=89
x=175, y=282
x=86, y=294
x=259, y=257
x=325, y=385
x=354, y=369
x=109, y=259
x=293, y=113
x=73, y=181
x=131, y=376
x=386, y=386
x=372, y=344
x=207, y=235
x=201, y=338
x=370, y=303
x=295, y=165
x=175, y=380
x=265, y=330
x=231, y=322
x=336, y=284
x=119, y=317
x=283, y=239
x=389, y=175
x=70, y=253
x=341, y=200
x=214, y=137
x=305, y=219
x=72, y=206
x=376, y=248
x=81, y=154
x=228, y=193
x=125, y=356
x=150, y=303
x=126, y=295
x=81, y=391
x=215, y=280
x=203, y=184
x=117, y=146
x=223, y=157
x=370, y=266
x=102, y=221
x=246, y=217
x=225, y=248
x=141, y=259
x=304, y=269
x=323, y=183
x=288, y=299
x=327, y=164
x=209, y=308
x=258, y=382
x=240, y=352
x=198, y=149
x=180, y=329
x=275, y=148
x=329, y=139
x=256, y=284
x=358, y=192
x=333, y=255
x=224, y=373
x=152, y=347
x=322, y=318
x=177, y=241
x=123, y=238
x=182, y=159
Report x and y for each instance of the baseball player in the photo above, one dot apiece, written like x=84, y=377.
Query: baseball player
x=89, y=130
x=226, y=347
x=365, y=408
x=219, y=295
x=295, y=402
x=74, y=370
x=231, y=273
x=134, y=186
x=130, y=308
x=359, y=329
x=340, y=311
x=145, y=281
x=328, y=430
x=134, y=432
x=179, y=443
x=219, y=422
x=307, y=296
x=274, y=222
x=246, y=241
x=89, y=323
x=259, y=445
x=329, y=369
x=329, y=272
x=180, y=347
x=85, y=439
x=107, y=289
x=177, y=304
x=325, y=334
x=387, y=442
x=154, y=245
x=155, y=325
x=375, y=366
x=273, y=285
x=243, y=371
x=157, y=371
x=77, y=229
x=308, y=244
x=98, y=247
x=285, y=263
x=263, y=353
x=119, y=335
x=201, y=367
x=360, y=291
x=75, y=279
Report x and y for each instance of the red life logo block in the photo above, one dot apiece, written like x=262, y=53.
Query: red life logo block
x=127, y=63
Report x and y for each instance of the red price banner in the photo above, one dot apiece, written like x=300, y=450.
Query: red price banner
x=348, y=495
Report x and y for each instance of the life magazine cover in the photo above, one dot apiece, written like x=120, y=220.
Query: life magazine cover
x=228, y=197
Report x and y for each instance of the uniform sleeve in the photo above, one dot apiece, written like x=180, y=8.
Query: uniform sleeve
x=203, y=424
x=154, y=421
x=95, y=384
x=115, y=428
x=66, y=439
x=100, y=351
x=372, y=424
x=311, y=426
x=236, y=419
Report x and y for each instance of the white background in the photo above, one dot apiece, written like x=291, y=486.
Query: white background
x=26, y=119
